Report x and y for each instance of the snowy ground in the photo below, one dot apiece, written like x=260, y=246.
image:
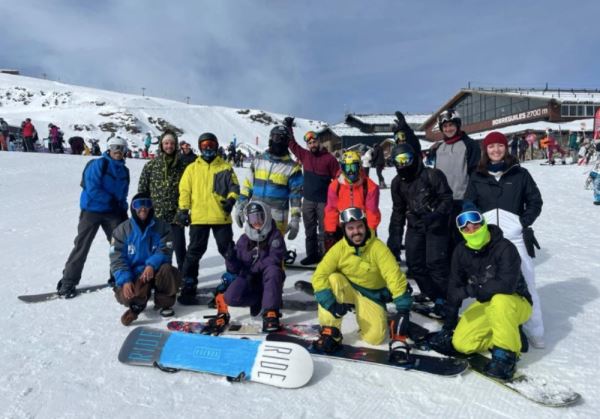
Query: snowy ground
x=59, y=359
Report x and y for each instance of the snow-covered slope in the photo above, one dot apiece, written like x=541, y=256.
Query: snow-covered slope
x=94, y=113
x=59, y=358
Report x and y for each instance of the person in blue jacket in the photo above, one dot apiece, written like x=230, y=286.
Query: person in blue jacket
x=141, y=252
x=103, y=203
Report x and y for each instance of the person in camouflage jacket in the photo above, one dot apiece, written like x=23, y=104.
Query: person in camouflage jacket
x=160, y=179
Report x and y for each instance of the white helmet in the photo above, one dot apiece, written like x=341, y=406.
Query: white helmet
x=117, y=141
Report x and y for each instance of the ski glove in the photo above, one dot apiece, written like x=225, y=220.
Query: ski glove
x=228, y=205
x=400, y=120
x=238, y=216
x=293, y=227
x=530, y=241
x=338, y=310
x=288, y=122
x=399, y=324
x=442, y=341
x=183, y=217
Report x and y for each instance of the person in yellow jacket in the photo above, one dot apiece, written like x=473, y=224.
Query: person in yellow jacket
x=208, y=191
x=360, y=271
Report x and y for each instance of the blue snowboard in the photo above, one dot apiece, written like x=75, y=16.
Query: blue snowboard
x=278, y=364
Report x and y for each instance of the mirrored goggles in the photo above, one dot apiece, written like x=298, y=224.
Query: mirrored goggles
x=208, y=145
x=141, y=203
x=310, y=136
x=117, y=148
x=352, y=214
x=473, y=217
x=404, y=159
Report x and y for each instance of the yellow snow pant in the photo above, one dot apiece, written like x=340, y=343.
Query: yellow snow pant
x=494, y=323
x=370, y=316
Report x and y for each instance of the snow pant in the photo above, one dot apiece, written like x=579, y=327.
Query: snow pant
x=597, y=188
x=380, y=178
x=28, y=144
x=313, y=214
x=428, y=262
x=165, y=283
x=522, y=154
x=89, y=223
x=264, y=288
x=370, y=315
x=493, y=323
x=513, y=231
x=178, y=233
x=3, y=142
x=199, y=234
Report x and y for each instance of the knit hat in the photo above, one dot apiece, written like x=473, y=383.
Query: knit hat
x=495, y=137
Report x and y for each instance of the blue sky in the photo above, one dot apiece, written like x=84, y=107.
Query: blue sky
x=313, y=59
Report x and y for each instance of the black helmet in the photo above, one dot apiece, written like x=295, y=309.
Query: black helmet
x=207, y=136
x=449, y=115
x=208, y=145
x=403, y=155
x=279, y=133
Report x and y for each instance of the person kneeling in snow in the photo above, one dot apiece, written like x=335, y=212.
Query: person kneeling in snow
x=360, y=271
x=485, y=267
x=255, y=273
x=140, y=260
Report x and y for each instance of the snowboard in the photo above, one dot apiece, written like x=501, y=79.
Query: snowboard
x=413, y=362
x=536, y=389
x=205, y=297
x=279, y=364
x=298, y=267
x=427, y=311
x=48, y=296
x=236, y=328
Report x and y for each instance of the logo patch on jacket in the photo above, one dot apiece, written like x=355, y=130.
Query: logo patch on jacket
x=131, y=249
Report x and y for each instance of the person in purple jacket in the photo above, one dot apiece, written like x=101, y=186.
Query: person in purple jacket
x=255, y=274
x=320, y=168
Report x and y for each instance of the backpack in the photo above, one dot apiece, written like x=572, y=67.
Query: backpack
x=103, y=169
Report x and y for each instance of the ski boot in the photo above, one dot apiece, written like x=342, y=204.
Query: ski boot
x=271, y=321
x=66, y=290
x=217, y=323
x=502, y=365
x=329, y=341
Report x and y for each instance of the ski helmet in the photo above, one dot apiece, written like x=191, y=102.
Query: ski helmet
x=352, y=214
x=257, y=216
x=351, y=165
x=117, y=144
x=208, y=145
x=449, y=115
x=278, y=140
x=310, y=135
x=403, y=156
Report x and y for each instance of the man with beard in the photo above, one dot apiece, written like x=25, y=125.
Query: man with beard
x=276, y=180
x=360, y=271
x=320, y=168
x=160, y=180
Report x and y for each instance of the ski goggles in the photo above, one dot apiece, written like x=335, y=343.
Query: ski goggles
x=208, y=145
x=404, y=159
x=117, y=148
x=352, y=214
x=141, y=203
x=400, y=137
x=310, y=136
x=473, y=217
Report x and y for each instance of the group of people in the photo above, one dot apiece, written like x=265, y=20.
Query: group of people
x=28, y=134
x=467, y=221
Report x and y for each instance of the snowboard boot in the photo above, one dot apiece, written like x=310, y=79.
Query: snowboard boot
x=131, y=314
x=188, y=292
x=502, y=365
x=255, y=309
x=310, y=260
x=271, y=321
x=66, y=290
x=439, y=307
x=329, y=341
x=422, y=299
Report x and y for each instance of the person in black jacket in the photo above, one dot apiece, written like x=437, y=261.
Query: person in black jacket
x=508, y=197
x=421, y=196
x=485, y=267
x=187, y=155
x=379, y=163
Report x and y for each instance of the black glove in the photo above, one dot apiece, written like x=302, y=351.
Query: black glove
x=400, y=120
x=288, y=122
x=183, y=217
x=442, y=341
x=228, y=205
x=338, y=310
x=530, y=241
x=399, y=324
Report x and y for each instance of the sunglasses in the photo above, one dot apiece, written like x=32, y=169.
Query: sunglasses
x=352, y=214
x=141, y=203
x=473, y=217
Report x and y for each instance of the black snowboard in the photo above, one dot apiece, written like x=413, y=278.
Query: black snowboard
x=423, y=363
x=40, y=298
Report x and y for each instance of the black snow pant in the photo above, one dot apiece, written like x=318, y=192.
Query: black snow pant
x=313, y=214
x=179, y=246
x=454, y=237
x=380, y=178
x=427, y=261
x=89, y=223
x=199, y=234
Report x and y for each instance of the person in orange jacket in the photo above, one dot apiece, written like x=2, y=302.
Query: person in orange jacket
x=351, y=188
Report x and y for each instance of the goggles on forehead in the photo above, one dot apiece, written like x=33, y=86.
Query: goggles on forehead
x=473, y=217
x=310, y=136
x=141, y=203
x=352, y=214
x=117, y=147
x=404, y=159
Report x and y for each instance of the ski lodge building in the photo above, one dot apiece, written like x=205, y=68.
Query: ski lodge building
x=519, y=111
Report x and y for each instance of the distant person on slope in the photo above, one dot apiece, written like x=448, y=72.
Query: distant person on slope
x=103, y=203
x=486, y=266
x=140, y=260
x=379, y=163
x=320, y=168
x=28, y=133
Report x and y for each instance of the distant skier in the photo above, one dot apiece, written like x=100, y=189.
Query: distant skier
x=140, y=260
x=320, y=168
x=103, y=203
x=28, y=133
x=379, y=164
x=255, y=272
x=486, y=266
x=147, y=144
x=360, y=272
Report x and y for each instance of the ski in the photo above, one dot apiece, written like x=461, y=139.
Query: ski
x=279, y=364
x=409, y=362
x=48, y=296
